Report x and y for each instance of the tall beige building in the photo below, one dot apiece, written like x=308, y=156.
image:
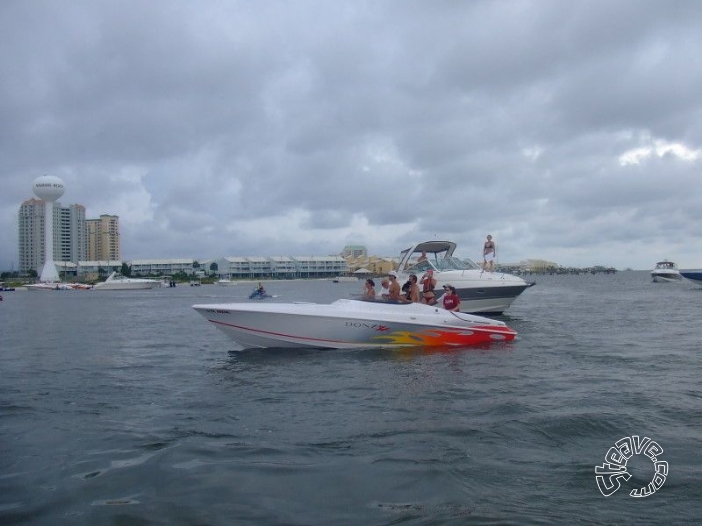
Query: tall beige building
x=103, y=238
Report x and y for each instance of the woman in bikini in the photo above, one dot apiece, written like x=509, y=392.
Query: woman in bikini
x=489, y=254
x=428, y=285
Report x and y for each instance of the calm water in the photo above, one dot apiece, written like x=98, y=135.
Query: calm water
x=128, y=408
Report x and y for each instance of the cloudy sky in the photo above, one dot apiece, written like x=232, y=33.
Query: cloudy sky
x=570, y=131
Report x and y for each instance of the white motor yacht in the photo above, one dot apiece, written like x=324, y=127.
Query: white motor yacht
x=481, y=291
x=114, y=282
x=665, y=272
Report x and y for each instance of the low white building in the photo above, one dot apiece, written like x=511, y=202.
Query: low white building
x=162, y=267
x=281, y=267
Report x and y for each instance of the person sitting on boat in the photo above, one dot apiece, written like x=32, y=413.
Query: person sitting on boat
x=450, y=299
x=412, y=292
x=394, y=289
x=423, y=257
x=428, y=284
x=260, y=290
x=384, y=290
x=369, y=290
x=406, y=288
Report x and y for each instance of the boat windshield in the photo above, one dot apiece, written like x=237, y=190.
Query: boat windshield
x=441, y=265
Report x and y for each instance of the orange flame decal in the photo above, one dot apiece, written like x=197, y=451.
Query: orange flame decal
x=442, y=338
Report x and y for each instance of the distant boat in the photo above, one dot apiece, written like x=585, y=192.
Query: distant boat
x=340, y=279
x=693, y=275
x=226, y=282
x=665, y=272
x=114, y=282
x=48, y=287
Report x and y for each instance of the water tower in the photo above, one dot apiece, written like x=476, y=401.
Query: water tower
x=48, y=188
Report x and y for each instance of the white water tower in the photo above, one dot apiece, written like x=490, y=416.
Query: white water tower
x=48, y=188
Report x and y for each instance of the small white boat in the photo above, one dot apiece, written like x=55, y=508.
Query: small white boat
x=347, y=324
x=344, y=279
x=665, y=272
x=48, y=287
x=226, y=282
x=481, y=292
x=114, y=282
x=693, y=275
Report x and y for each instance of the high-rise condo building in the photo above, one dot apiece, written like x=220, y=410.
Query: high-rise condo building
x=69, y=243
x=103, y=238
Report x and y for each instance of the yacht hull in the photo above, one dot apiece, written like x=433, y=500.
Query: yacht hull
x=693, y=275
x=666, y=278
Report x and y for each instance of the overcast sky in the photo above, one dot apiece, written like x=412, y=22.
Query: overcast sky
x=569, y=130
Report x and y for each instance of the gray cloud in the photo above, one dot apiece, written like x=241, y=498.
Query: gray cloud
x=570, y=131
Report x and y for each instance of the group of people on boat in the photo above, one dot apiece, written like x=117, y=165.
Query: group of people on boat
x=410, y=292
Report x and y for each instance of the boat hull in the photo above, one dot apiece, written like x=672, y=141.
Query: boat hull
x=693, y=275
x=116, y=285
x=668, y=277
x=491, y=299
x=347, y=324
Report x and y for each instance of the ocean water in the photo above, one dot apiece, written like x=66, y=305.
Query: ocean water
x=128, y=408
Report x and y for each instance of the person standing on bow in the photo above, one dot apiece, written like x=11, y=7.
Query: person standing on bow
x=489, y=254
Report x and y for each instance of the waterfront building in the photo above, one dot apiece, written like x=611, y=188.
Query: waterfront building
x=354, y=251
x=161, y=267
x=377, y=266
x=69, y=236
x=281, y=267
x=103, y=238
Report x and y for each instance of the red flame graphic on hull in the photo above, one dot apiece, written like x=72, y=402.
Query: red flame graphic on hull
x=443, y=338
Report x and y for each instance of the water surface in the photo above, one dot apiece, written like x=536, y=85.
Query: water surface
x=126, y=407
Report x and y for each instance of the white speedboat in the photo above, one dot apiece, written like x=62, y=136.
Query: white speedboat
x=348, y=324
x=114, y=282
x=48, y=287
x=224, y=282
x=693, y=275
x=665, y=272
x=481, y=291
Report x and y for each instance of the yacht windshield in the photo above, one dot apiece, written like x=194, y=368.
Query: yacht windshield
x=453, y=263
x=440, y=264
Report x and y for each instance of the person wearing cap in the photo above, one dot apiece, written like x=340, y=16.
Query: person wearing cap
x=450, y=298
x=394, y=289
x=428, y=284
